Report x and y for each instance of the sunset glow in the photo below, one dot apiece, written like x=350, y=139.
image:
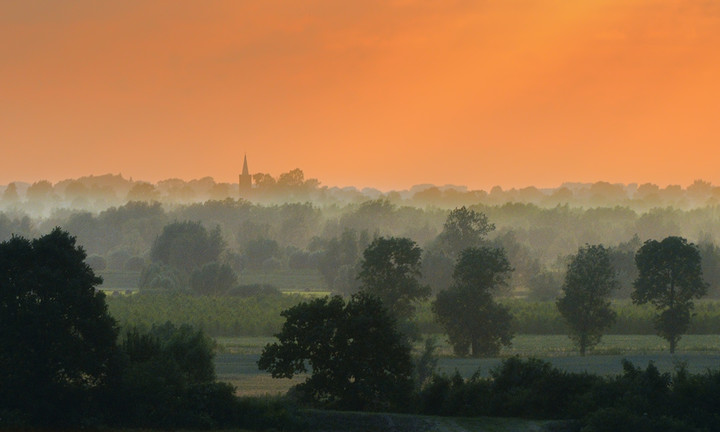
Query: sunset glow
x=385, y=94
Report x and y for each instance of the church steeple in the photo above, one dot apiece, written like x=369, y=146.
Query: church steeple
x=245, y=171
x=245, y=179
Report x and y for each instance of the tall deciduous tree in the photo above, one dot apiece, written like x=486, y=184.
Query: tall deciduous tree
x=585, y=304
x=474, y=322
x=390, y=270
x=57, y=343
x=669, y=277
x=356, y=356
x=464, y=228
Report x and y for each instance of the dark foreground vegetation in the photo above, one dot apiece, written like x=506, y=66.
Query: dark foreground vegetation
x=69, y=360
x=63, y=365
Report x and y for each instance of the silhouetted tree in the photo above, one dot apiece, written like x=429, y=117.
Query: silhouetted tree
x=212, y=279
x=464, y=228
x=39, y=190
x=390, y=270
x=585, y=304
x=622, y=259
x=186, y=246
x=10, y=195
x=57, y=344
x=259, y=250
x=669, y=277
x=168, y=381
x=474, y=322
x=353, y=351
x=338, y=260
x=143, y=191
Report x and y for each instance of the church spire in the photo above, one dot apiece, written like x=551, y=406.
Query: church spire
x=245, y=171
x=245, y=179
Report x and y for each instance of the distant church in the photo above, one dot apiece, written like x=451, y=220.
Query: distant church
x=245, y=179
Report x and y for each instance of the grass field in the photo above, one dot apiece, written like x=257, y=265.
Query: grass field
x=290, y=280
x=236, y=361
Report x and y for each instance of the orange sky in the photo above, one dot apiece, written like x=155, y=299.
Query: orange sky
x=367, y=93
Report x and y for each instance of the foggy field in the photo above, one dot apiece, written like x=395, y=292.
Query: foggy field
x=295, y=281
x=237, y=361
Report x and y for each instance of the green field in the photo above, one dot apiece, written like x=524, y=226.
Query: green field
x=288, y=280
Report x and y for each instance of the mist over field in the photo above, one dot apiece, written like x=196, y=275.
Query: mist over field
x=237, y=273
x=289, y=223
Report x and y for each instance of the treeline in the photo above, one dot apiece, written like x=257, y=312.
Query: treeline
x=330, y=239
x=96, y=193
x=638, y=400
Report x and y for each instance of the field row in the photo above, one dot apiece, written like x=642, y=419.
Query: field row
x=260, y=315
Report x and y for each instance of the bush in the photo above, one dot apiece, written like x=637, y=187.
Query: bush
x=168, y=380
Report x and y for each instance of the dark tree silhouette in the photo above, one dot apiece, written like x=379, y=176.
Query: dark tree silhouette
x=669, y=277
x=356, y=357
x=187, y=246
x=464, y=228
x=474, y=322
x=57, y=344
x=213, y=279
x=585, y=304
x=390, y=270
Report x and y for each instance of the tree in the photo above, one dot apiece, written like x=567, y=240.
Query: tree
x=259, y=250
x=142, y=191
x=464, y=228
x=669, y=277
x=10, y=195
x=356, y=356
x=390, y=270
x=213, y=279
x=187, y=245
x=584, y=304
x=169, y=381
x=57, y=344
x=39, y=190
x=474, y=322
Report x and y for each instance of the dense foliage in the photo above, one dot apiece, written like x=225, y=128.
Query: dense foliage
x=585, y=303
x=306, y=229
x=356, y=357
x=390, y=271
x=61, y=365
x=670, y=278
x=57, y=343
x=474, y=322
x=638, y=400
